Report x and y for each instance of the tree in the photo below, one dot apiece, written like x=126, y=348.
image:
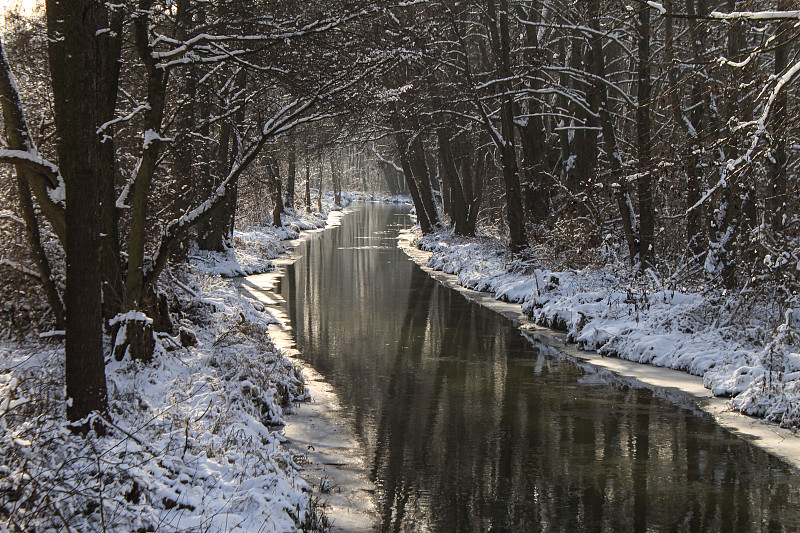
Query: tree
x=291, y=175
x=75, y=47
x=500, y=39
x=643, y=143
x=95, y=147
x=20, y=141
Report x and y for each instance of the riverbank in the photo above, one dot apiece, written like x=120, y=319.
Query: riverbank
x=330, y=456
x=602, y=321
x=195, y=440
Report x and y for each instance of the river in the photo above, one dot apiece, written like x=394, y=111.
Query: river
x=466, y=425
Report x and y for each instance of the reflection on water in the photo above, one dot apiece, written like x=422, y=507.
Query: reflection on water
x=468, y=426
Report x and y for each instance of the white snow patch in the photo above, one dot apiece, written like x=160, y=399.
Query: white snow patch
x=130, y=316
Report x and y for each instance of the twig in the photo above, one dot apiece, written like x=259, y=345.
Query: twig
x=183, y=286
x=128, y=434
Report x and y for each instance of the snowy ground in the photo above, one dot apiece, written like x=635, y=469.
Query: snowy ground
x=756, y=366
x=195, y=436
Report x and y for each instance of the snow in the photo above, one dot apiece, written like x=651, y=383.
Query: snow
x=103, y=127
x=58, y=195
x=190, y=446
x=150, y=136
x=130, y=316
x=616, y=316
x=254, y=248
x=50, y=170
x=4, y=213
x=194, y=440
x=657, y=6
x=755, y=15
x=21, y=268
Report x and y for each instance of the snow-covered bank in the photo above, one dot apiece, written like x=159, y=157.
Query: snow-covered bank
x=331, y=455
x=602, y=312
x=192, y=445
x=194, y=439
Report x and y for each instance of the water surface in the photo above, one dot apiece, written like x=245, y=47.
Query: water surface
x=469, y=426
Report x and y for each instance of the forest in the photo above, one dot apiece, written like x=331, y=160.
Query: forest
x=651, y=138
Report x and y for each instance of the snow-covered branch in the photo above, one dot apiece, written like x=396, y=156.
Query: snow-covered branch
x=761, y=127
x=20, y=268
x=45, y=177
x=382, y=159
x=755, y=15
x=280, y=33
x=658, y=7
x=286, y=118
x=580, y=74
x=34, y=162
x=11, y=216
x=127, y=117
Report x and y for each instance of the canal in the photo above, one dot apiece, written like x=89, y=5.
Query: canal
x=466, y=425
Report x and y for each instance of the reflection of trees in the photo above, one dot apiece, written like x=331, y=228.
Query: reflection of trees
x=395, y=431
x=470, y=427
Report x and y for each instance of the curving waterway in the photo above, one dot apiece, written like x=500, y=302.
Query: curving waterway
x=466, y=425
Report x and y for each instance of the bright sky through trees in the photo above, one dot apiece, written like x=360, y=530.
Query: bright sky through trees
x=26, y=6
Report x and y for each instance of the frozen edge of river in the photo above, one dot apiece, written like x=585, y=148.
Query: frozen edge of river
x=328, y=451
x=779, y=442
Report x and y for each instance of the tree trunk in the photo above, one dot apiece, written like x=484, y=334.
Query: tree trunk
x=216, y=232
x=319, y=190
x=18, y=137
x=229, y=212
x=501, y=45
x=536, y=186
x=619, y=186
x=277, y=202
x=210, y=233
x=140, y=191
x=731, y=224
x=476, y=186
x=419, y=207
x=72, y=26
x=585, y=144
x=778, y=188
x=140, y=338
x=419, y=169
x=458, y=204
x=288, y=201
x=563, y=103
x=693, y=162
x=37, y=250
x=308, y=185
x=336, y=181
x=447, y=206
x=643, y=144
x=630, y=227
x=110, y=47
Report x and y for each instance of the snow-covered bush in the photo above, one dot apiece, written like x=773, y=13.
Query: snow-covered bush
x=191, y=444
